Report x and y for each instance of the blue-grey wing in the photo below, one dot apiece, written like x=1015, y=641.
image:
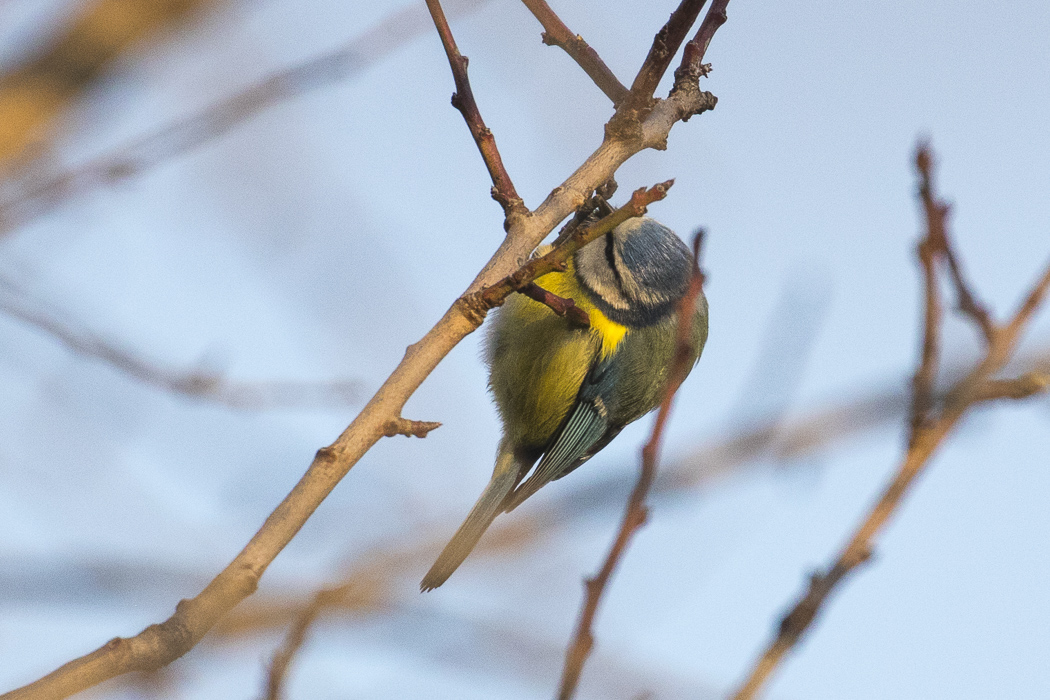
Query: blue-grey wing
x=586, y=431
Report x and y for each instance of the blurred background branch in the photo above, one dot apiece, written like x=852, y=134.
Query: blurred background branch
x=36, y=93
x=931, y=420
x=35, y=191
x=200, y=384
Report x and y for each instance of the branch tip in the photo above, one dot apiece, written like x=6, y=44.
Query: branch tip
x=409, y=428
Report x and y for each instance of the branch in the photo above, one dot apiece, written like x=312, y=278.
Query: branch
x=693, y=66
x=479, y=303
x=665, y=46
x=161, y=644
x=36, y=194
x=637, y=512
x=463, y=99
x=938, y=242
x=557, y=304
x=282, y=658
x=1023, y=387
x=932, y=244
x=557, y=34
x=195, y=384
x=926, y=438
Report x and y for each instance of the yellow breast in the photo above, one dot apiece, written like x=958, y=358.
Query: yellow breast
x=565, y=284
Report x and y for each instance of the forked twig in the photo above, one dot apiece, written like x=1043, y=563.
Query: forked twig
x=636, y=513
x=929, y=428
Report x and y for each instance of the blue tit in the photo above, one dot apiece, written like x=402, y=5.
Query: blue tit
x=564, y=391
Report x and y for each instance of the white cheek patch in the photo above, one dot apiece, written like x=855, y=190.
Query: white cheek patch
x=593, y=269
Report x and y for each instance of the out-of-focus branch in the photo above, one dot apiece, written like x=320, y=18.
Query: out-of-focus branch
x=35, y=93
x=196, y=384
x=926, y=436
x=555, y=33
x=282, y=658
x=637, y=512
x=37, y=193
x=161, y=644
x=463, y=99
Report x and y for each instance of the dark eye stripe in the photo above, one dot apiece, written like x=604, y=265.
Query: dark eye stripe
x=610, y=258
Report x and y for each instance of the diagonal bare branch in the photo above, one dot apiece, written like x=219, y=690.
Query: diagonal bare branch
x=463, y=99
x=557, y=34
x=37, y=92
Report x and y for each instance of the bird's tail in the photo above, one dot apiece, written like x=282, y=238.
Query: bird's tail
x=504, y=478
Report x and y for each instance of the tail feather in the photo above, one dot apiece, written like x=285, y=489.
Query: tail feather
x=504, y=478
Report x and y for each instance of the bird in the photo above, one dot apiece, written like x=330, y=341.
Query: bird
x=564, y=391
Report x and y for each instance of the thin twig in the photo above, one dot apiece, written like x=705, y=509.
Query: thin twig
x=463, y=99
x=637, y=512
x=557, y=34
x=410, y=428
x=557, y=304
x=1023, y=387
x=282, y=658
x=38, y=192
x=926, y=438
x=939, y=242
x=196, y=384
x=932, y=244
x=693, y=66
x=481, y=301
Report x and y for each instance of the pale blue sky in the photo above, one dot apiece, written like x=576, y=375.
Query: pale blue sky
x=323, y=236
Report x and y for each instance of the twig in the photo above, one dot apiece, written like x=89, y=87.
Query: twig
x=665, y=46
x=282, y=658
x=938, y=242
x=693, y=66
x=1022, y=387
x=196, y=384
x=161, y=644
x=463, y=99
x=37, y=194
x=557, y=34
x=926, y=438
x=480, y=302
x=409, y=428
x=636, y=513
x=932, y=244
x=557, y=304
